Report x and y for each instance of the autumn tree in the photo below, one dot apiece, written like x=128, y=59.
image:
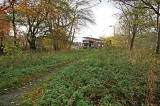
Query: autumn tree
x=133, y=21
x=31, y=15
x=57, y=19
x=82, y=14
x=11, y=6
x=56, y=22
x=10, y=12
x=64, y=24
x=153, y=5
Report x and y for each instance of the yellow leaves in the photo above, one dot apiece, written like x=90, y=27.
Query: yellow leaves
x=107, y=39
x=51, y=8
x=24, y=10
x=115, y=41
x=38, y=10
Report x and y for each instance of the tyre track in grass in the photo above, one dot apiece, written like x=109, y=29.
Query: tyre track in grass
x=6, y=99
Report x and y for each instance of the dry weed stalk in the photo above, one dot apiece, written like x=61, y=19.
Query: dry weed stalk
x=150, y=84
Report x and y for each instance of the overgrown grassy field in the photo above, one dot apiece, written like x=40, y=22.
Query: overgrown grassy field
x=16, y=71
x=103, y=78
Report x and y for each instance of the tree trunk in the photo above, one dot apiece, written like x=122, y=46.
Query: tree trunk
x=134, y=32
x=1, y=45
x=72, y=38
x=158, y=36
x=13, y=24
x=15, y=34
x=129, y=37
x=32, y=41
x=158, y=42
x=74, y=31
x=55, y=45
x=132, y=40
x=32, y=44
x=70, y=35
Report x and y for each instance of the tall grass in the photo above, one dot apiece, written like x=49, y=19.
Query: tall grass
x=144, y=56
x=102, y=78
x=16, y=70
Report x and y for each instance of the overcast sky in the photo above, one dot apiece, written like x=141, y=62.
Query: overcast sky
x=104, y=17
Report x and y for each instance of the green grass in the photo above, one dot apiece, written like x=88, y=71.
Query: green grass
x=105, y=77
x=16, y=71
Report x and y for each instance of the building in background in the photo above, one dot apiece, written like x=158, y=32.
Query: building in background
x=89, y=42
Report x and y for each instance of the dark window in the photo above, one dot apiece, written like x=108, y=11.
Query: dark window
x=85, y=44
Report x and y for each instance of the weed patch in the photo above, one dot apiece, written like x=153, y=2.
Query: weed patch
x=104, y=77
x=20, y=72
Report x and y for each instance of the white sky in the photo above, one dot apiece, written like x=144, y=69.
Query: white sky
x=104, y=17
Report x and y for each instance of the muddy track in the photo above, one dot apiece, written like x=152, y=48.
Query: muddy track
x=6, y=99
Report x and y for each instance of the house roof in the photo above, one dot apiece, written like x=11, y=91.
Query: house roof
x=90, y=38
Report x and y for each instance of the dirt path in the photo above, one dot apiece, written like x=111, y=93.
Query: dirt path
x=6, y=99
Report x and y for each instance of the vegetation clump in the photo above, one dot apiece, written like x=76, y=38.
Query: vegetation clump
x=104, y=77
x=16, y=71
